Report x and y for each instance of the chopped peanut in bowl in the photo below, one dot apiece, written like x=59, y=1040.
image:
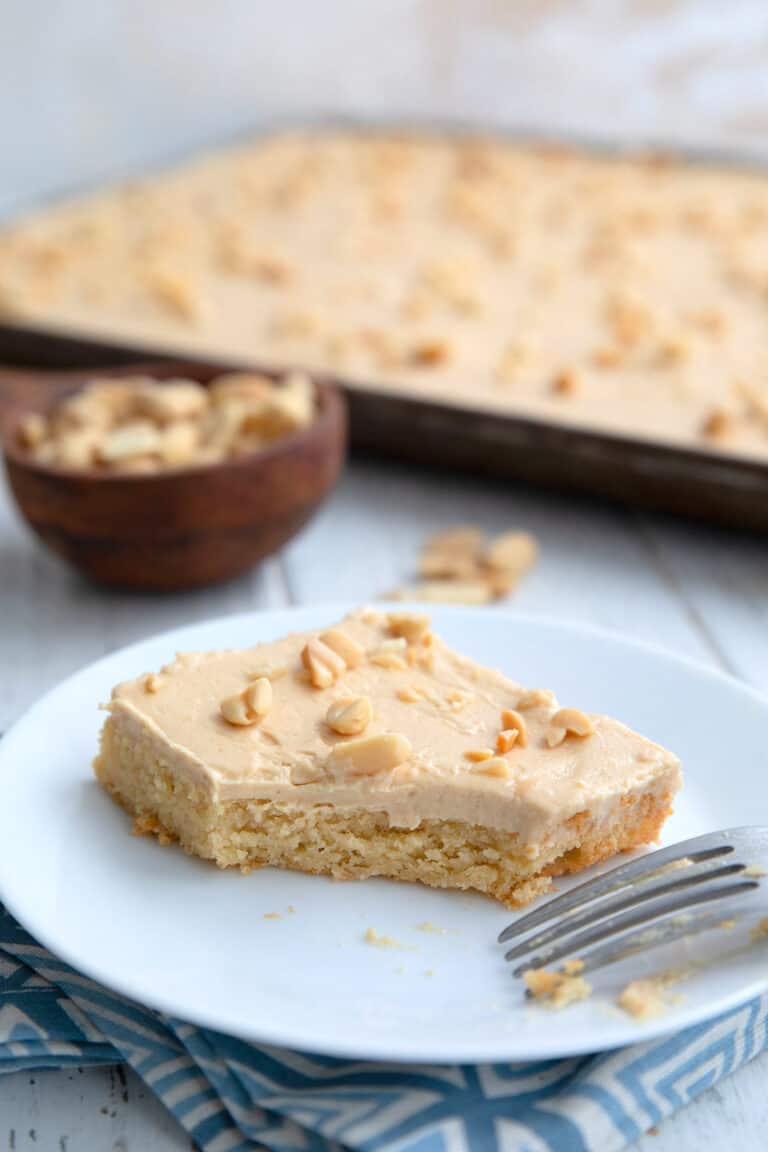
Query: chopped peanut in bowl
x=136, y=424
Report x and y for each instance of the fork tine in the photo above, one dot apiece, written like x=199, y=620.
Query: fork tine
x=699, y=849
x=623, y=899
x=664, y=932
x=617, y=928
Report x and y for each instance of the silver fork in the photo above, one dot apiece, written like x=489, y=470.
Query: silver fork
x=652, y=900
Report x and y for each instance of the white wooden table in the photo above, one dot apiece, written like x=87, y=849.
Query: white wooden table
x=695, y=590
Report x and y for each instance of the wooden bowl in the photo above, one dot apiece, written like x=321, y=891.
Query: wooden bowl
x=169, y=530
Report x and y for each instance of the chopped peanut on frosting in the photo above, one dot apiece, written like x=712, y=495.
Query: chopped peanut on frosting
x=350, y=716
x=250, y=705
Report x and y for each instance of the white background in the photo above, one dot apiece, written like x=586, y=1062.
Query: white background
x=92, y=87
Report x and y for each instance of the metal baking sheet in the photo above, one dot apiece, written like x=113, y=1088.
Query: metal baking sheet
x=731, y=490
x=727, y=490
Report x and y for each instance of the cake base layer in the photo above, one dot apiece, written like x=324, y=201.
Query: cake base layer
x=351, y=845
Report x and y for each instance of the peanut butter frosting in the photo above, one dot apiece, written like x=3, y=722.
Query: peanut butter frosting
x=378, y=713
x=619, y=293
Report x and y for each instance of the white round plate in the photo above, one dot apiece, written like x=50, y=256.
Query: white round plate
x=205, y=945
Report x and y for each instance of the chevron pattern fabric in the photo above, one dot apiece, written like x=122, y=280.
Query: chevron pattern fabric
x=231, y=1096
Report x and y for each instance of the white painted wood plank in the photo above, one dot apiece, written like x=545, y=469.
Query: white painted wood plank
x=85, y=1110
x=82, y=1111
x=130, y=618
x=53, y=622
x=690, y=589
x=724, y=577
x=594, y=566
x=734, y=1114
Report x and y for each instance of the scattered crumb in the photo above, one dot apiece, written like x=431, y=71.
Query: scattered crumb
x=641, y=999
x=428, y=926
x=648, y=997
x=279, y=915
x=429, y=972
x=555, y=989
x=754, y=870
x=573, y=966
x=760, y=931
x=671, y=866
x=727, y=925
x=372, y=937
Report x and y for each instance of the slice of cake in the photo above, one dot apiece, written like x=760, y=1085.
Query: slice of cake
x=373, y=749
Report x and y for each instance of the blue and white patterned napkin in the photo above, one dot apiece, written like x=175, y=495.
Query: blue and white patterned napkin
x=235, y=1097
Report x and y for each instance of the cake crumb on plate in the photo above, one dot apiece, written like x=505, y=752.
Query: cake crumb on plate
x=648, y=996
x=372, y=937
x=760, y=930
x=555, y=989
